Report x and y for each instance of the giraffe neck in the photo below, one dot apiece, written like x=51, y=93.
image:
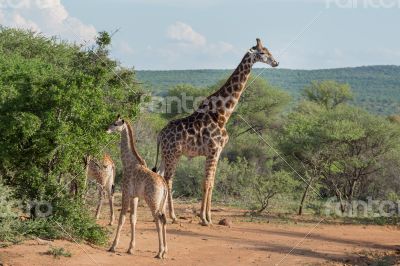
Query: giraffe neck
x=223, y=102
x=129, y=153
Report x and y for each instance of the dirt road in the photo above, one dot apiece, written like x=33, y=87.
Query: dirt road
x=244, y=243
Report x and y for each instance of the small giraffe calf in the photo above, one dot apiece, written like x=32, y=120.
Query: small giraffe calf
x=103, y=174
x=139, y=182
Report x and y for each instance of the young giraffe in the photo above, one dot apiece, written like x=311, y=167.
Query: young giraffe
x=139, y=182
x=104, y=176
x=203, y=133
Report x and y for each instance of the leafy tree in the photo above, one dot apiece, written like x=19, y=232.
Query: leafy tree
x=182, y=100
x=263, y=188
x=328, y=93
x=375, y=87
x=259, y=112
x=55, y=103
x=342, y=147
x=261, y=104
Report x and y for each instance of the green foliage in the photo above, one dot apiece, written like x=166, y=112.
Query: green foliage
x=328, y=93
x=55, y=103
x=58, y=252
x=244, y=181
x=233, y=179
x=346, y=147
x=262, y=105
x=340, y=149
x=263, y=188
x=236, y=181
x=189, y=178
x=376, y=88
x=182, y=99
x=8, y=214
x=8, y=203
x=104, y=39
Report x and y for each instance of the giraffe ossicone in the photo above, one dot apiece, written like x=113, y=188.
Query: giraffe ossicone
x=203, y=133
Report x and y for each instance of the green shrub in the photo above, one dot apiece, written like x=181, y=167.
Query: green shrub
x=189, y=176
x=55, y=102
x=58, y=252
x=8, y=214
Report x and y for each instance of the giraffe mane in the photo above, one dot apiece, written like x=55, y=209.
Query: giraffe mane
x=131, y=143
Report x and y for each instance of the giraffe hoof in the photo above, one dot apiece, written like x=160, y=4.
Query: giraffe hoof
x=204, y=223
x=112, y=249
x=159, y=256
x=174, y=221
x=130, y=251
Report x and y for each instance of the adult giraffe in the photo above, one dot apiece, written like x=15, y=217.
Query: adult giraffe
x=203, y=133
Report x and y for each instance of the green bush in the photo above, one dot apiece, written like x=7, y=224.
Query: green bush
x=8, y=214
x=262, y=188
x=56, y=101
x=189, y=176
x=58, y=252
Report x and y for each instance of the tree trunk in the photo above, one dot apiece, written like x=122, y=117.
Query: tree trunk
x=303, y=198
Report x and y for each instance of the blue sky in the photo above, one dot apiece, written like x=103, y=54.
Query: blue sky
x=189, y=34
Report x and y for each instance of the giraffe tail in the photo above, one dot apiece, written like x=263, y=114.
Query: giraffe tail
x=112, y=189
x=154, y=169
x=113, y=181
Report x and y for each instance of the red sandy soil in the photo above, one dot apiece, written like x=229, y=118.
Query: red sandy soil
x=244, y=243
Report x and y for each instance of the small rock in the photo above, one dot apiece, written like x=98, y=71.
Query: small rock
x=225, y=222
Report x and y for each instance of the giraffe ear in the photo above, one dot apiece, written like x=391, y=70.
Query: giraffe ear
x=259, y=43
x=119, y=116
x=123, y=121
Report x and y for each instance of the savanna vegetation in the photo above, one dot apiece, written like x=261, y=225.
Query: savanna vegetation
x=56, y=100
x=376, y=88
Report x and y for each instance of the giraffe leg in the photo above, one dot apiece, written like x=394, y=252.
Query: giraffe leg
x=164, y=236
x=111, y=203
x=134, y=205
x=171, y=203
x=209, y=197
x=99, y=204
x=161, y=250
x=170, y=167
x=211, y=166
x=125, y=205
x=203, y=205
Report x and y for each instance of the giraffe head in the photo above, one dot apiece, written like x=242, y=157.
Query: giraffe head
x=262, y=54
x=117, y=126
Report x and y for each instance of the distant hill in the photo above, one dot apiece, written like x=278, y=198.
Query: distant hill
x=377, y=88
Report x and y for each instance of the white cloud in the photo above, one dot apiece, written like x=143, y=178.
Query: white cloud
x=192, y=49
x=47, y=16
x=19, y=21
x=185, y=39
x=221, y=47
x=124, y=48
x=183, y=32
